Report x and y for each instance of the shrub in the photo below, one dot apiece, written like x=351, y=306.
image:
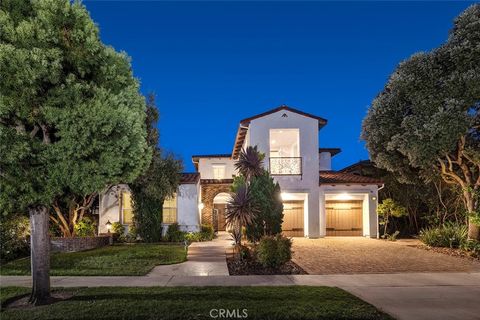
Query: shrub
x=14, y=238
x=207, y=232
x=131, y=235
x=273, y=252
x=472, y=247
x=174, y=234
x=85, y=227
x=118, y=228
x=448, y=235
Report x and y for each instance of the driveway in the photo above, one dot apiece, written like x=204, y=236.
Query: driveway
x=356, y=255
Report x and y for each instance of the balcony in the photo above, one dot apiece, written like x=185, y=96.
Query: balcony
x=286, y=166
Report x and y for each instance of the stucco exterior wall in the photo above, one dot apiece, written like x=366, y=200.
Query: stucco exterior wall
x=259, y=134
x=205, y=167
x=187, y=208
x=109, y=207
x=325, y=161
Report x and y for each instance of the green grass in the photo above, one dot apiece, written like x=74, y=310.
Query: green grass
x=117, y=260
x=196, y=302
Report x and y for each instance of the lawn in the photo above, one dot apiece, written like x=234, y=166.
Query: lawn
x=197, y=302
x=117, y=260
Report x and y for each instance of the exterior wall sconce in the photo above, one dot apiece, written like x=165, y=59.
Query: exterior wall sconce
x=374, y=198
x=109, y=226
x=201, y=206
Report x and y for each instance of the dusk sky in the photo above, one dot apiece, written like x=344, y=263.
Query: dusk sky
x=212, y=64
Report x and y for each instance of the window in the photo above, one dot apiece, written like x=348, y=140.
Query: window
x=170, y=210
x=126, y=211
x=218, y=171
x=285, y=152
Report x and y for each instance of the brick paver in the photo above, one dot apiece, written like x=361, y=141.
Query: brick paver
x=348, y=255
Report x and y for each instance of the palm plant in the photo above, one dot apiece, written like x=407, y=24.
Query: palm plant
x=240, y=208
x=250, y=163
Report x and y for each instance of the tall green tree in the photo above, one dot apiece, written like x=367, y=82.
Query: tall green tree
x=159, y=182
x=266, y=196
x=427, y=117
x=71, y=116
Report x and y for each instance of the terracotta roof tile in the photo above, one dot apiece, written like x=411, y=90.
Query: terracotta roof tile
x=189, y=177
x=335, y=177
x=216, y=181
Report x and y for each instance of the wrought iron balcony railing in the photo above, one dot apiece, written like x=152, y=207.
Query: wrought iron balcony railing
x=286, y=166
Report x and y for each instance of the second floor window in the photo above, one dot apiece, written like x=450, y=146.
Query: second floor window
x=285, y=152
x=126, y=210
x=170, y=210
x=218, y=171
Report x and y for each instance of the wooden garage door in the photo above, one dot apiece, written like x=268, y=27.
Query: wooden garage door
x=344, y=218
x=292, y=225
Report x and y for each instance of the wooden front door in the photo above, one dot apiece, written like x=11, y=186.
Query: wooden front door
x=344, y=218
x=219, y=216
x=292, y=225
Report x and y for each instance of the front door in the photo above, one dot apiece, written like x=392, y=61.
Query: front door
x=219, y=212
x=292, y=225
x=344, y=218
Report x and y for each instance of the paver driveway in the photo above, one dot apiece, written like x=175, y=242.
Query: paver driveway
x=348, y=255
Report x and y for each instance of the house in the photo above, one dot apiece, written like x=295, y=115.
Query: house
x=317, y=201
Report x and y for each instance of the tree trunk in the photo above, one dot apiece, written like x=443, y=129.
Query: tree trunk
x=473, y=229
x=40, y=255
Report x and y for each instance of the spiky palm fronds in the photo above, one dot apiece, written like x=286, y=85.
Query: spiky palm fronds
x=240, y=208
x=250, y=163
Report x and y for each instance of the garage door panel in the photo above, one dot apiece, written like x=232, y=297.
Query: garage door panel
x=292, y=225
x=344, y=218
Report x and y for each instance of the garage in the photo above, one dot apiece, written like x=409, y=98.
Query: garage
x=344, y=218
x=292, y=225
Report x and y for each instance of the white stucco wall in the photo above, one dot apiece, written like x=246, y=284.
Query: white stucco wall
x=205, y=167
x=325, y=161
x=187, y=208
x=109, y=207
x=259, y=134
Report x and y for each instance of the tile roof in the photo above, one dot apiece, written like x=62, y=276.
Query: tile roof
x=335, y=177
x=189, y=177
x=216, y=181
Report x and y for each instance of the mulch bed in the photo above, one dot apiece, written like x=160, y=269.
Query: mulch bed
x=249, y=267
x=450, y=251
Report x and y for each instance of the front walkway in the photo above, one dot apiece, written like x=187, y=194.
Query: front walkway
x=408, y=296
x=354, y=255
x=204, y=259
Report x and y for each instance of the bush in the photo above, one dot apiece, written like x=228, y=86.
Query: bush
x=472, y=247
x=85, y=228
x=14, y=238
x=274, y=252
x=451, y=235
x=207, y=232
x=118, y=228
x=131, y=235
x=174, y=234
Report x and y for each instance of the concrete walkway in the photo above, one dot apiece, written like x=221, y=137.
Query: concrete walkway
x=204, y=259
x=402, y=295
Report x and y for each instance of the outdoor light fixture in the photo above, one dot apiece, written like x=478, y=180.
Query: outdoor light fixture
x=283, y=195
x=109, y=226
x=343, y=196
x=374, y=198
x=201, y=206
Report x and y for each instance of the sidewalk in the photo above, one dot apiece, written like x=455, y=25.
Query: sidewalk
x=408, y=296
x=204, y=259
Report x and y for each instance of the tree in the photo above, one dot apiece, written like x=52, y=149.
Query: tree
x=159, y=181
x=240, y=208
x=72, y=119
x=266, y=197
x=250, y=163
x=427, y=118
x=388, y=209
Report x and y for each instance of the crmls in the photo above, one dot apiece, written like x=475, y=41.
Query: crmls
x=229, y=314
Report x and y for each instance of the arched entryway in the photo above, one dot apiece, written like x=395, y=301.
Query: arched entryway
x=219, y=209
x=209, y=191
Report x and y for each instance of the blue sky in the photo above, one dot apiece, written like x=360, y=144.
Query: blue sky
x=211, y=64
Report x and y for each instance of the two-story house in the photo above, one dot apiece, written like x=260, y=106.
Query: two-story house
x=317, y=200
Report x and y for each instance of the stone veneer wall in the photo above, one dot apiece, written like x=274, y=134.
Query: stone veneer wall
x=209, y=191
x=78, y=243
